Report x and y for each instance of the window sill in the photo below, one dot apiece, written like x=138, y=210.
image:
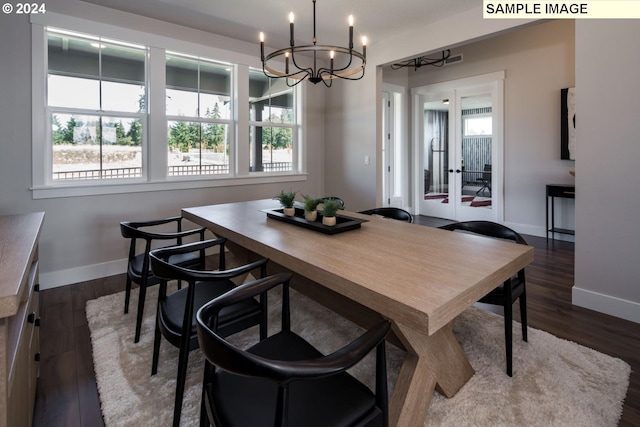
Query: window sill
x=91, y=189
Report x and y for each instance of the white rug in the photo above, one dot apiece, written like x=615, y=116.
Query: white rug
x=555, y=383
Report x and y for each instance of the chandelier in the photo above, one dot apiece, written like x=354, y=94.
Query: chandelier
x=422, y=61
x=345, y=62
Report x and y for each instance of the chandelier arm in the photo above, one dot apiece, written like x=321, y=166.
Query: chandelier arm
x=279, y=74
x=351, y=55
x=327, y=75
x=308, y=70
x=322, y=72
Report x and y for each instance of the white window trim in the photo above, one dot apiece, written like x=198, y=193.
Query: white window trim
x=156, y=178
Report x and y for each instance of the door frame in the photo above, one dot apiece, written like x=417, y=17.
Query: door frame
x=394, y=146
x=493, y=83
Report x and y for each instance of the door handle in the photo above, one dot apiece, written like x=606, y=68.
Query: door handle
x=450, y=170
x=458, y=171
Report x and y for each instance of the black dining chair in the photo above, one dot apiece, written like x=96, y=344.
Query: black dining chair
x=511, y=290
x=283, y=380
x=485, y=180
x=138, y=268
x=176, y=312
x=390, y=212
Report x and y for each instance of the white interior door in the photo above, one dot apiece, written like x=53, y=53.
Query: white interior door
x=458, y=127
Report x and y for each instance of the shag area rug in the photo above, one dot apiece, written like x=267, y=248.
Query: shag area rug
x=556, y=382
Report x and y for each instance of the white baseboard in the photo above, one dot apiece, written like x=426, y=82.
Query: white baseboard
x=55, y=279
x=70, y=276
x=613, y=306
x=533, y=230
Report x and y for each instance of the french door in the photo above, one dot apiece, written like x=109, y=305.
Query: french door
x=458, y=129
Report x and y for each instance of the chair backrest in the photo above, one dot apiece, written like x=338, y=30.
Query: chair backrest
x=224, y=355
x=218, y=350
x=486, y=175
x=153, y=230
x=486, y=228
x=166, y=270
x=390, y=212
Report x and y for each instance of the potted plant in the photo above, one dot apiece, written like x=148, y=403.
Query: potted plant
x=286, y=199
x=310, y=208
x=329, y=209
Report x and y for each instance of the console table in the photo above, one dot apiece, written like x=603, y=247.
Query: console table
x=561, y=191
x=19, y=317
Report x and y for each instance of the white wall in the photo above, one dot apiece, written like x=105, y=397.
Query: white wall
x=81, y=238
x=353, y=119
x=607, y=157
x=538, y=61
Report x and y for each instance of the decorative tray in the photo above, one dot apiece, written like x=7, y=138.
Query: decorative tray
x=343, y=223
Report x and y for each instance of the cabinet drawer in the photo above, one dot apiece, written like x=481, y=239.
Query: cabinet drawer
x=566, y=191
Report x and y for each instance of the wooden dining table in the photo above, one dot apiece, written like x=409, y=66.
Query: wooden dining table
x=421, y=278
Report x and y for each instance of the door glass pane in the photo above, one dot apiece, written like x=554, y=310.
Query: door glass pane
x=436, y=151
x=476, y=161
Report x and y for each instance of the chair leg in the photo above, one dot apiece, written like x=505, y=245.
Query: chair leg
x=204, y=416
x=508, y=335
x=523, y=314
x=127, y=295
x=263, y=317
x=141, y=296
x=182, y=376
x=156, y=347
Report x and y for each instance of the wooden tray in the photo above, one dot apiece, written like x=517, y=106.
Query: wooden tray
x=343, y=223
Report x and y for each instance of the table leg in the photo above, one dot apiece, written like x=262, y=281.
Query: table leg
x=434, y=362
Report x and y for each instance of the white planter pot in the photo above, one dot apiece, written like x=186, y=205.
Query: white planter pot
x=311, y=216
x=289, y=211
x=329, y=220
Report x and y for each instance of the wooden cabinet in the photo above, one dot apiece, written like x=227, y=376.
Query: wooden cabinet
x=19, y=317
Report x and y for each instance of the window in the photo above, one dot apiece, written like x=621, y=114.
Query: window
x=96, y=106
x=272, y=124
x=477, y=122
x=199, y=116
x=127, y=111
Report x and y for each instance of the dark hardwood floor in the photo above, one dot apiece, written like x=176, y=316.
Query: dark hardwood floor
x=67, y=395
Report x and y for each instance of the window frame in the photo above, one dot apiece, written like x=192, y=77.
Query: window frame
x=295, y=151
x=230, y=122
x=155, y=166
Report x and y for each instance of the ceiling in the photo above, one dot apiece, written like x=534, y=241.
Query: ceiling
x=244, y=19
